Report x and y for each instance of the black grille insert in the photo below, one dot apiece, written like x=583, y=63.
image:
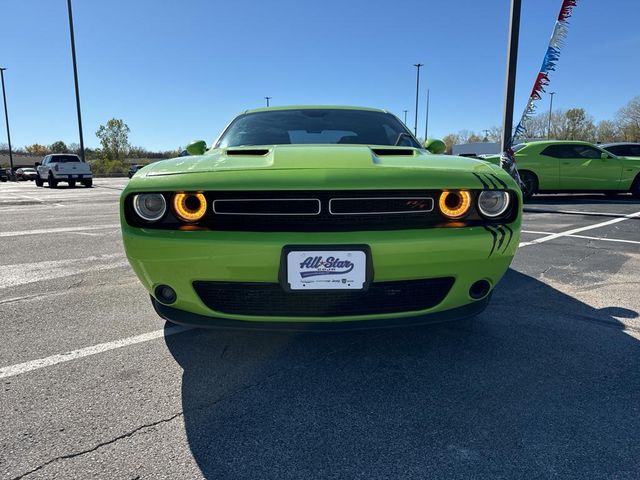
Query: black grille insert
x=267, y=206
x=380, y=205
x=269, y=299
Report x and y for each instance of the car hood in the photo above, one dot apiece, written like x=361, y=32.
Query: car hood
x=325, y=157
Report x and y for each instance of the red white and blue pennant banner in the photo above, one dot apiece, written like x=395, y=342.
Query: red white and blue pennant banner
x=556, y=43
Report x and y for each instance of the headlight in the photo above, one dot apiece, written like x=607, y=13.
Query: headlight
x=493, y=203
x=189, y=207
x=455, y=204
x=150, y=206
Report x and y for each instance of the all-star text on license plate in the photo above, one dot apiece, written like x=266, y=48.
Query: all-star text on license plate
x=326, y=269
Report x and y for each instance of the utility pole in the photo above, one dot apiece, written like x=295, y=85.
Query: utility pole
x=267, y=99
x=75, y=78
x=415, y=125
x=6, y=117
x=405, y=116
x=550, y=109
x=512, y=61
x=426, y=123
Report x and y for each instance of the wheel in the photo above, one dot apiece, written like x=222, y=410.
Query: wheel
x=53, y=183
x=529, y=184
x=39, y=181
x=87, y=183
x=72, y=184
x=635, y=188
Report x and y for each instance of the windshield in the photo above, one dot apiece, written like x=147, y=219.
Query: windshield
x=316, y=126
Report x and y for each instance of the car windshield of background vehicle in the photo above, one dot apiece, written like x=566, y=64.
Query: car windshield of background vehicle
x=317, y=126
x=65, y=159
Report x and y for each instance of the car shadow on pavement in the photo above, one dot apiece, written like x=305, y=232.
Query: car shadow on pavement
x=540, y=385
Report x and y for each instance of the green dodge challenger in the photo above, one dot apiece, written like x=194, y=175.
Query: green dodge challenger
x=319, y=217
x=573, y=166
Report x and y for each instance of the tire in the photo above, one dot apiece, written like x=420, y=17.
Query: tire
x=87, y=183
x=53, y=183
x=635, y=187
x=529, y=184
x=39, y=181
x=72, y=184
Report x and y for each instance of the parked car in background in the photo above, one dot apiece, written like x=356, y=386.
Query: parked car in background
x=4, y=175
x=23, y=174
x=555, y=166
x=63, y=167
x=623, y=149
x=133, y=169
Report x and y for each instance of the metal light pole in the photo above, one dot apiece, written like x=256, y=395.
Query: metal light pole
x=550, y=109
x=267, y=99
x=426, y=123
x=75, y=78
x=6, y=117
x=415, y=125
x=405, y=116
x=512, y=60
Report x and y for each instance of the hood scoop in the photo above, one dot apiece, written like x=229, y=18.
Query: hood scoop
x=393, y=152
x=254, y=152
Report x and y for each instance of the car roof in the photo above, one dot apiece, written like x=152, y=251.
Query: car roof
x=617, y=144
x=315, y=107
x=558, y=142
x=63, y=154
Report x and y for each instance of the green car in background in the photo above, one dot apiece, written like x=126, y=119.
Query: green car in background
x=332, y=217
x=556, y=166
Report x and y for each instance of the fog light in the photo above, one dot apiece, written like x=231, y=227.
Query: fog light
x=479, y=289
x=165, y=294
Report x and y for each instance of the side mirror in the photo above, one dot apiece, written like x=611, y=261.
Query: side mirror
x=197, y=147
x=604, y=156
x=37, y=164
x=435, y=146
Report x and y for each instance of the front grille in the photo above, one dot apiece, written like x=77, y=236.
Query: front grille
x=269, y=299
x=323, y=211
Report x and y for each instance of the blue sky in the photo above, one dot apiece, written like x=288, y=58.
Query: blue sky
x=176, y=71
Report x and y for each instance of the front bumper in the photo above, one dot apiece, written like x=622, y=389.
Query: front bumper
x=180, y=258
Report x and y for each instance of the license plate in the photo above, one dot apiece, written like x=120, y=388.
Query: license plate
x=326, y=268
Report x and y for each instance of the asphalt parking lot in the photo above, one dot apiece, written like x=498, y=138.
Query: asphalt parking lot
x=544, y=384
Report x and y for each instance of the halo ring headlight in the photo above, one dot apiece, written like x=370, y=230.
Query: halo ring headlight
x=455, y=203
x=150, y=207
x=493, y=203
x=189, y=207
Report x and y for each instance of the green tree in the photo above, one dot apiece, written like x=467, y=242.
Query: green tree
x=58, y=147
x=114, y=139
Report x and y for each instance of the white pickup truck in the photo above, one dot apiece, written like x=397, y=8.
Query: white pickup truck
x=63, y=167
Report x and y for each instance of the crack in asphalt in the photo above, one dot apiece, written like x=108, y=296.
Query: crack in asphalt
x=99, y=445
x=181, y=413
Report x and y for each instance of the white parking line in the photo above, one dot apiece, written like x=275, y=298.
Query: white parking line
x=553, y=236
x=604, y=239
x=43, y=231
x=25, y=273
x=25, y=367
